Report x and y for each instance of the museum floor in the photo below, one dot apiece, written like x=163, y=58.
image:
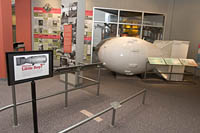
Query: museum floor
x=169, y=108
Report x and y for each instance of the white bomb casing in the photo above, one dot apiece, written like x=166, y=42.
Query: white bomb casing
x=127, y=55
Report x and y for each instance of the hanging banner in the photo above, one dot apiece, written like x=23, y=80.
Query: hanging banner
x=89, y=13
x=67, y=38
x=69, y=25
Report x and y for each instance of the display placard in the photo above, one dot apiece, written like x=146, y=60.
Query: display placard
x=156, y=61
x=173, y=61
x=188, y=62
x=28, y=66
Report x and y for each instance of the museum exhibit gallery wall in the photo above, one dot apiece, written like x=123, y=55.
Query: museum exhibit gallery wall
x=57, y=28
x=47, y=26
x=171, y=9
x=179, y=24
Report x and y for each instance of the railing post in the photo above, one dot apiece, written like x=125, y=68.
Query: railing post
x=77, y=79
x=66, y=89
x=194, y=75
x=144, y=97
x=113, y=117
x=115, y=106
x=145, y=73
x=34, y=107
x=99, y=77
x=170, y=75
x=15, y=106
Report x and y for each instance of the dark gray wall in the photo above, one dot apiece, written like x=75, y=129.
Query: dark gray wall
x=186, y=24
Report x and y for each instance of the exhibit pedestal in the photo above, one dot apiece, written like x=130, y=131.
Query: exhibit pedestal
x=172, y=49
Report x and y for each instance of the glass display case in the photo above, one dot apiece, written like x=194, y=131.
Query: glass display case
x=130, y=17
x=129, y=30
x=153, y=27
x=152, y=19
x=103, y=31
x=105, y=15
x=151, y=34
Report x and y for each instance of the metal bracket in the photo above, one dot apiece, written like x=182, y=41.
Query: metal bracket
x=115, y=105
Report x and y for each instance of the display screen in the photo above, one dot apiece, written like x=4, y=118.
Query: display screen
x=28, y=66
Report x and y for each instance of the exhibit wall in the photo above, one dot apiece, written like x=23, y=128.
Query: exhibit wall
x=46, y=20
x=49, y=17
x=185, y=24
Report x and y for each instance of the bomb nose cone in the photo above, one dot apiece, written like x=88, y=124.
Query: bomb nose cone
x=127, y=55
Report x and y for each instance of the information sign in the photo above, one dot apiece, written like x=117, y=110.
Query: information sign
x=28, y=66
x=188, y=62
x=156, y=61
x=172, y=61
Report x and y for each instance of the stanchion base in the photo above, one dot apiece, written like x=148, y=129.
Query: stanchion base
x=15, y=126
x=113, y=126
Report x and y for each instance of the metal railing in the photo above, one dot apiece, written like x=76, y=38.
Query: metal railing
x=59, y=71
x=114, y=106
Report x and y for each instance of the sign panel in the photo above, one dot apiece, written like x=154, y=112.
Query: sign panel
x=46, y=28
x=28, y=66
x=156, y=61
x=89, y=13
x=68, y=38
x=188, y=62
x=172, y=61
